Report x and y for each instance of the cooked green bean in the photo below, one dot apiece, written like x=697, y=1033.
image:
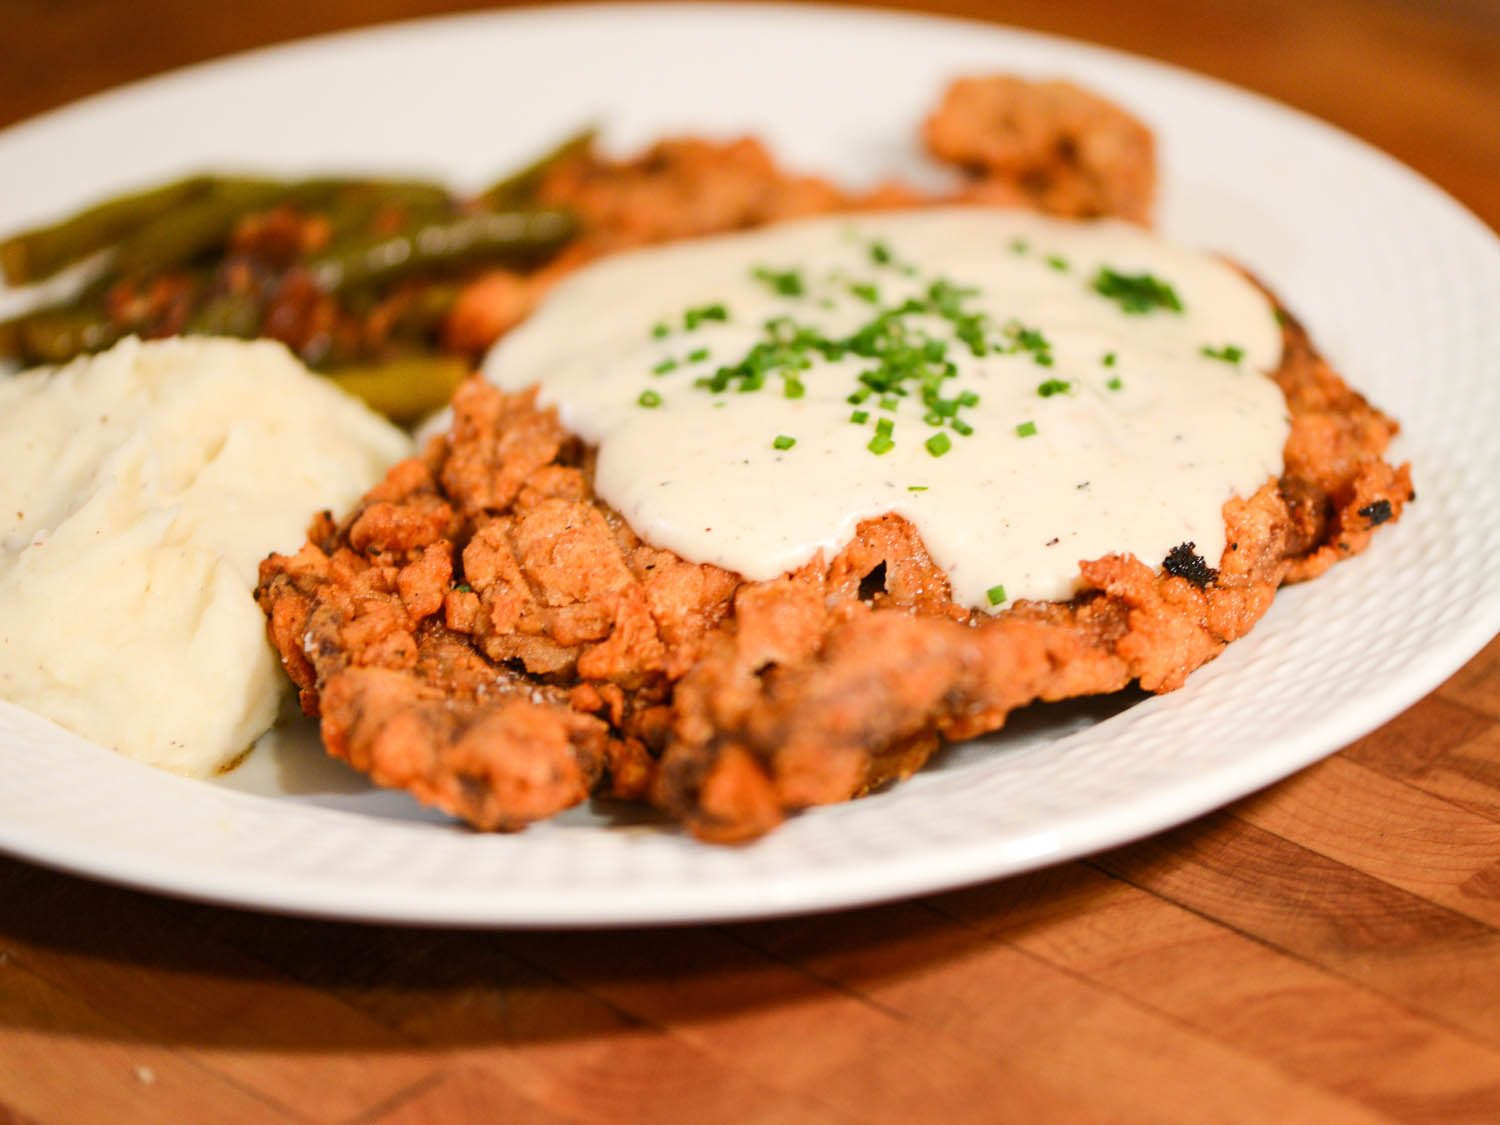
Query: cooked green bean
x=407, y=389
x=519, y=188
x=166, y=225
x=383, y=193
x=512, y=237
x=57, y=334
x=198, y=226
x=228, y=314
x=37, y=254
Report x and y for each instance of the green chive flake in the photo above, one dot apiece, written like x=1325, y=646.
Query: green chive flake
x=1229, y=353
x=693, y=317
x=649, y=399
x=784, y=283
x=996, y=595
x=783, y=442
x=1026, y=429
x=1136, y=294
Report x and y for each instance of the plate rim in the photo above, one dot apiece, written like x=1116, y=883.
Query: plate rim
x=1319, y=741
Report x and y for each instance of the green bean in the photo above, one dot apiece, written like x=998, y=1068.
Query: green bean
x=36, y=254
x=164, y=226
x=513, y=237
x=519, y=188
x=351, y=216
x=405, y=389
x=421, y=194
x=198, y=226
x=228, y=314
x=57, y=334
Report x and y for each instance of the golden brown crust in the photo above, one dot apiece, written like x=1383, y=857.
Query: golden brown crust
x=485, y=577
x=1050, y=145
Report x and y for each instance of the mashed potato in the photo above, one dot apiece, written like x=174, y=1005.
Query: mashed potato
x=141, y=488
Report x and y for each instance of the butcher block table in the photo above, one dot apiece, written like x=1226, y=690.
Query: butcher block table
x=1327, y=950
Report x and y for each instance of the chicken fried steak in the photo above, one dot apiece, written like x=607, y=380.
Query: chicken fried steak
x=485, y=633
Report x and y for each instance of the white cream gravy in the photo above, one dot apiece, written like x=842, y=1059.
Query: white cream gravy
x=1138, y=454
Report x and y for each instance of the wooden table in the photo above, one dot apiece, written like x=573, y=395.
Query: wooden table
x=1328, y=950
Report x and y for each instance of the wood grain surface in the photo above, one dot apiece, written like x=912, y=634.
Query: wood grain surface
x=1325, y=951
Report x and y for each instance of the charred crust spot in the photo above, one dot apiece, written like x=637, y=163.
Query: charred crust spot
x=1184, y=561
x=1376, y=512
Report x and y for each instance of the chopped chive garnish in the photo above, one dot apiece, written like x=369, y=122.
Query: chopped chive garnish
x=1229, y=353
x=464, y=588
x=1109, y=359
x=1114, y=382
x=884, y=426
x=1054, y=387
x=649, y=399
x=661, y=329
x=783, y=442
x=1136, y=293
x=1026, y=429
x=665, y=366
x=784, y=283
x=1058, y=263
x=1043, y=359
x=902, y=350
x=880, y=443
x=938, y=444
x=916, y=488
x=995, y=594
x=696, y=316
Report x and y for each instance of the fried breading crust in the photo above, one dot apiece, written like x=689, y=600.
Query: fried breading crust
x=1050, y=145
x=483, y=631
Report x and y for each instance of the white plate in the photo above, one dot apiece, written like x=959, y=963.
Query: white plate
x=1400, y=285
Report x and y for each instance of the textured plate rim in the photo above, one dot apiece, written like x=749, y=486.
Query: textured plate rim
x=1166, y=805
